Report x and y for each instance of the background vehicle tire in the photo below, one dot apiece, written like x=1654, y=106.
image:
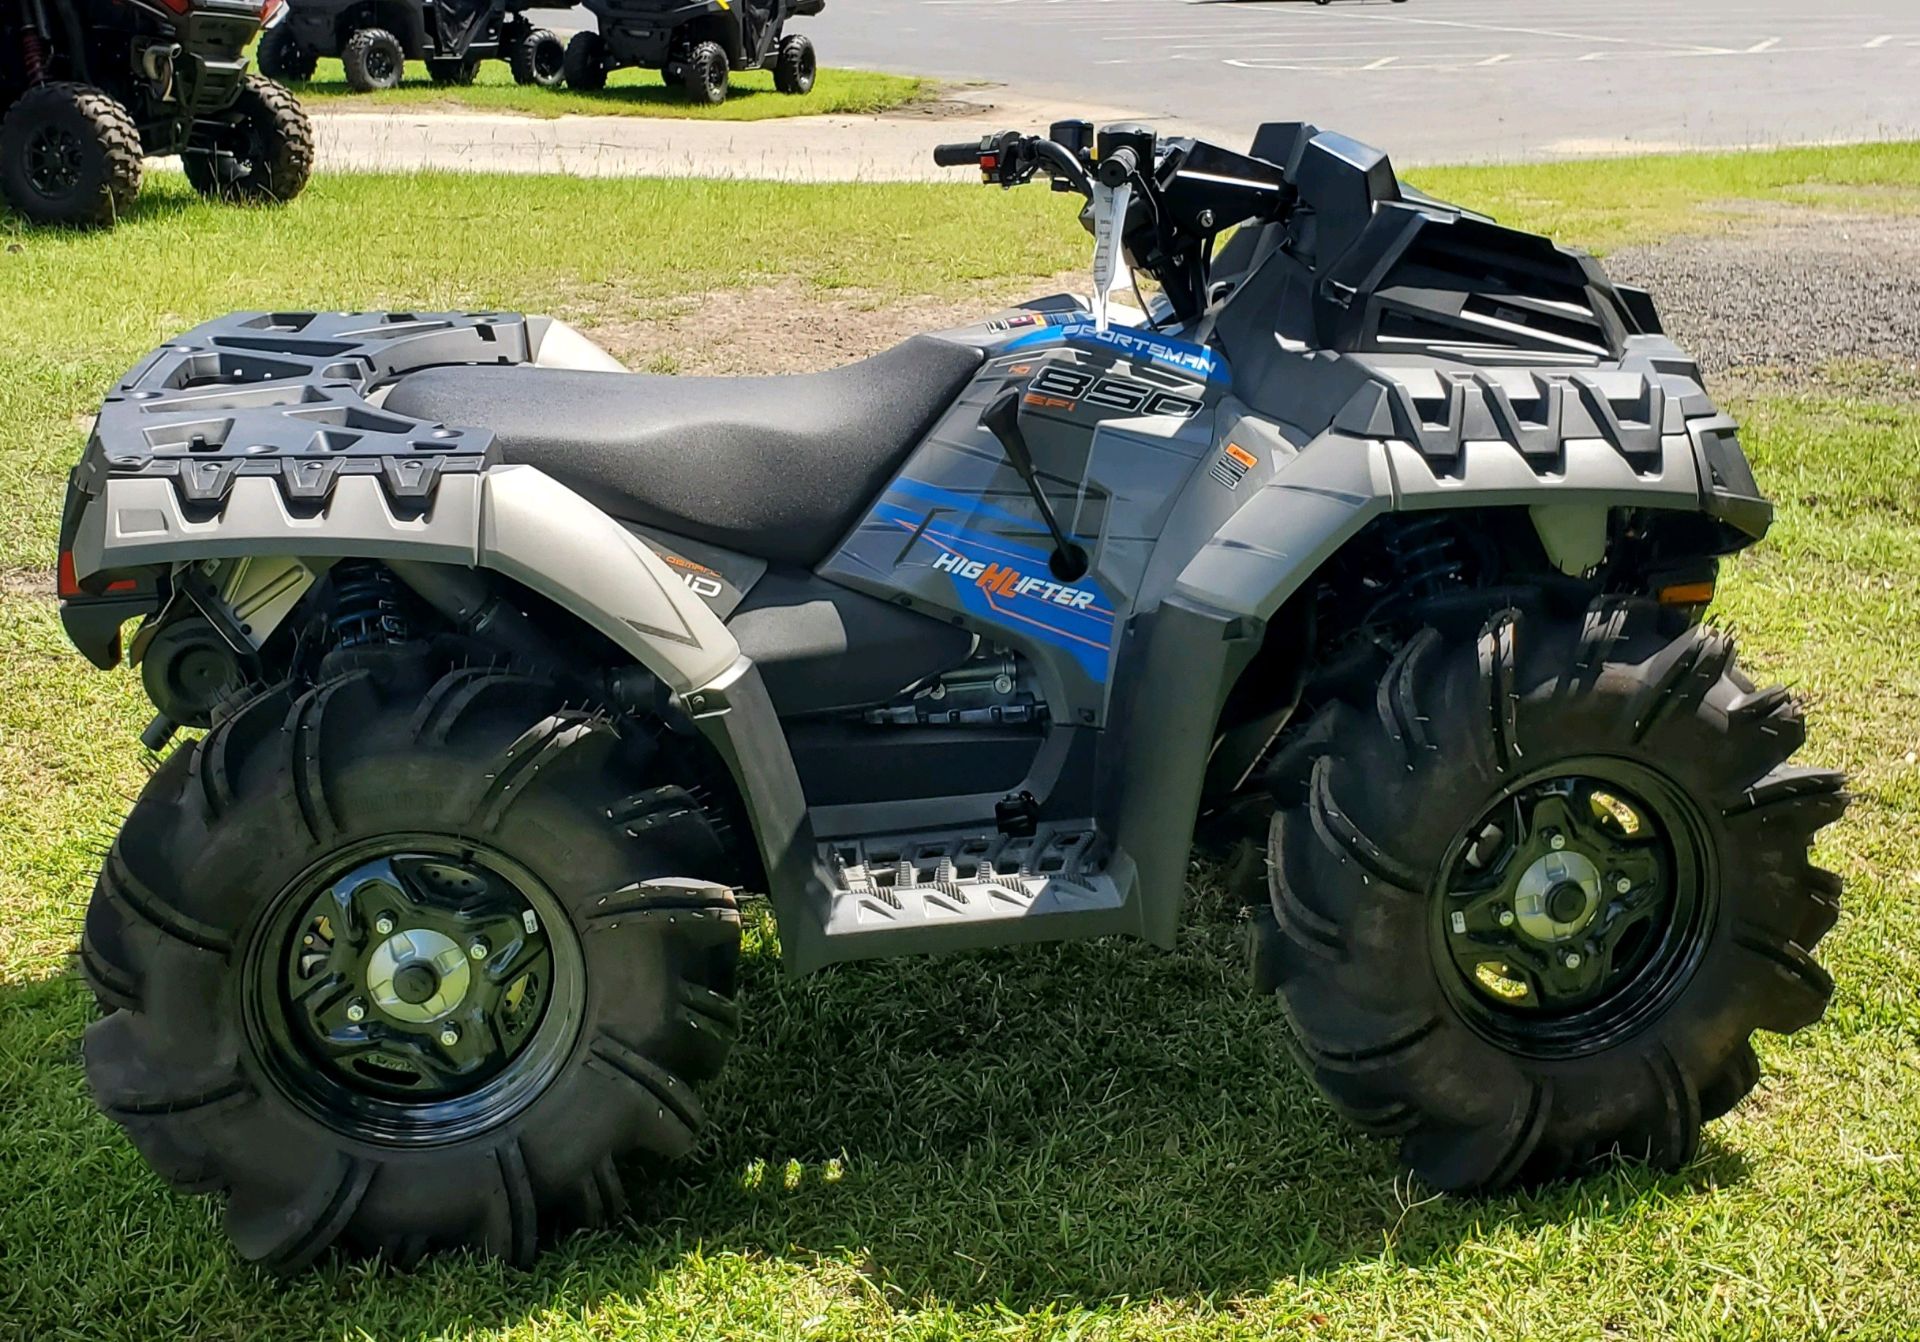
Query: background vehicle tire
x=295, y=900
x=453, y=71
x=1424, y=865
x=585, y=65
x=705, y=74
x=793, y=70
x=281, y=55
x=373, y=59
x=539, y=58
x=270, y=142
x=69, y=154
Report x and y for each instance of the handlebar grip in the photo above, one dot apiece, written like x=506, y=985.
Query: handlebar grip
x=957, y=155
x=1116, y=167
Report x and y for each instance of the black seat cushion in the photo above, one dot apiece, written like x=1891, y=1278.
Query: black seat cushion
x=779, y=467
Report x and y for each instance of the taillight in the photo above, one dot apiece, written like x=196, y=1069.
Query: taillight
x=178, y=6
x=67, y=584
x=269, y=8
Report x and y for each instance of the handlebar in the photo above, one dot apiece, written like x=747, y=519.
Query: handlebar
x=957, y=155
x=1185, y=192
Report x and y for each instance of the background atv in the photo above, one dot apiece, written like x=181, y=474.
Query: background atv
x=90, y=88
x=694, y=44
x=374, y=40
x=1374, y=557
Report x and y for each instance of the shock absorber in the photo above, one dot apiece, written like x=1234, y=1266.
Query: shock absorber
x=33, y=53
x=1427, y=557
x=368, y=607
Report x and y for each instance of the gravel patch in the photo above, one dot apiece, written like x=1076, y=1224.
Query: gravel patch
x=790, y=327
x=1790, y=294
x=28, y=582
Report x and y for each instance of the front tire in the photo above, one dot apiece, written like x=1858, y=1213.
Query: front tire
x=538, y=58
x=795, y=67
x=584, y=66
x=69, y=154
x=264, y=152
x=373, y=60
x=704, y=76
x=1530, y=901
x=278, y=888
x=281, y=55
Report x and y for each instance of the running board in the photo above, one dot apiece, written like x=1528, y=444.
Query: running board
x=955, y=890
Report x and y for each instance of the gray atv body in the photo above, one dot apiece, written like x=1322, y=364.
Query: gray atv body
x=1210, y=482
x=1373, y=558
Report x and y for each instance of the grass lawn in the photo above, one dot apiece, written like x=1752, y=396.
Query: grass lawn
x=1091, y=1141
x=630, y=92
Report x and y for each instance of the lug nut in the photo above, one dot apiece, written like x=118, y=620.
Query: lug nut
x=1623, y=884
x=1556, y=842
x=1506, y=917
x=450, y=1036
x=356, y=1012
x=1571, y=960
x=478, y=950
x=383, y=924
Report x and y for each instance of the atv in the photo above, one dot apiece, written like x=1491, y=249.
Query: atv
x=91, y=88
x=374, y=40
x=695, y=43
x=1369, y=557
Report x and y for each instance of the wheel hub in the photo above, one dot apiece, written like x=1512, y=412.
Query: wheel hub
x=415, y=988
x=418, y=975
x=1572, y=905
x=1556, y=895
x=54, y=156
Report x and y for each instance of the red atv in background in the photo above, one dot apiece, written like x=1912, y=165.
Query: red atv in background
x=92, y=87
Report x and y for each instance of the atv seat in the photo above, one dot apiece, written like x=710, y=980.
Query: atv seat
x=778, y=467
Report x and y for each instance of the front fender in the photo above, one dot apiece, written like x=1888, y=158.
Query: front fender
x=1569, y=447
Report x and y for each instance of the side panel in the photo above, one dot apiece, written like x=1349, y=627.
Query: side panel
x=1116, y=432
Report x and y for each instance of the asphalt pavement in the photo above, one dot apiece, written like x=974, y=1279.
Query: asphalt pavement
x=1431, y=79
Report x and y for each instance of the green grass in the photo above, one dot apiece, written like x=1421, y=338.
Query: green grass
x=1095, y=1141
x=630, y=92
x=1608, y=203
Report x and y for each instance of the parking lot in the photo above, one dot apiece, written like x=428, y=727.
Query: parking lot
x=1433, y=79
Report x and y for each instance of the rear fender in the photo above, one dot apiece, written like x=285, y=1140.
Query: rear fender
x=524, y=525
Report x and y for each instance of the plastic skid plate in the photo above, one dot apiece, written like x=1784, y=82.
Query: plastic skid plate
x=286, y=394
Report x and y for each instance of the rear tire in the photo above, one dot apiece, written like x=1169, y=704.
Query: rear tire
x=281, y=55
x=794, y=69
x=374, y=60
x=237, y=932
x=1516, y=1071
x=69, y=154
x=705, y=74
x=584, y=66
x=271, y=144
x=538, y=58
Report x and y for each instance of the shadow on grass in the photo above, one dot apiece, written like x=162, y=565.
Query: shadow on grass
x=1021, y=1129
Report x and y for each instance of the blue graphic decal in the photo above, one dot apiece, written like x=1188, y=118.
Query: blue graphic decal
x=1005, y=582
x=1133, y=343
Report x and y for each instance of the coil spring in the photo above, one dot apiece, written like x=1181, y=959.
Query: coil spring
x=33, y=55
x=1427, y=557
x=367, y=607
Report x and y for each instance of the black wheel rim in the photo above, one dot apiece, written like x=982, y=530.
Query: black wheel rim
x=56, y=160
x=1572, y=912
x=380, y=64
x=414, y=989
